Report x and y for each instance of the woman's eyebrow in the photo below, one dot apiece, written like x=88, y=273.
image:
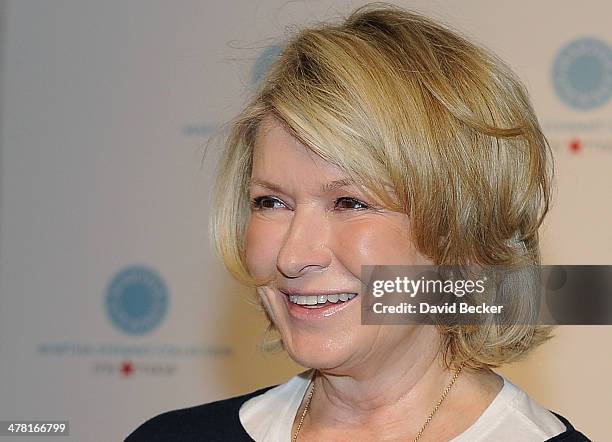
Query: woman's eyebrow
x=325, y=188
x=337, y=184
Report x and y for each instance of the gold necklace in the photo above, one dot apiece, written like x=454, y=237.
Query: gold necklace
x=419, y=434
x=299, y=427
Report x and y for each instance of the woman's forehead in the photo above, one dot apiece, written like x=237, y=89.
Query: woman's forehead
x=277, y=152
x=282, y=163
x=272, y=135
x=324, y=187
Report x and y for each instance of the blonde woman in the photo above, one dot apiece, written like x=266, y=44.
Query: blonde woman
x=385, y=139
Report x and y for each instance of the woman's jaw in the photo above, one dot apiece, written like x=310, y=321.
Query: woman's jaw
x=332, y=338
x=314, y=337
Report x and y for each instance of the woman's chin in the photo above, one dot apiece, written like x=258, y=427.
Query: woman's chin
x=318, y=353
x=318, y=361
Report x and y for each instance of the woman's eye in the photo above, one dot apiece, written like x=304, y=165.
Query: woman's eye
x=350, y=203
x=272, y=203
x=266, y=203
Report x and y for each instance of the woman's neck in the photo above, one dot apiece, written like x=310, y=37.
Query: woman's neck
x=397, y=391
x=404, y=377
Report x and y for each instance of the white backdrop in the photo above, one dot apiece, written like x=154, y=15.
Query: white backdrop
x=106, y=107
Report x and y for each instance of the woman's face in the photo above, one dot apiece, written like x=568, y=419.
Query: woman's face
x=310, y=236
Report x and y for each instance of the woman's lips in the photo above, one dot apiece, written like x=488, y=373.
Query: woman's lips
x=316, y=312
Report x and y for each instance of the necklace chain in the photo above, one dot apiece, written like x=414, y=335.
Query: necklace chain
x=419, y=434
x=299, y=427
x=444, y=393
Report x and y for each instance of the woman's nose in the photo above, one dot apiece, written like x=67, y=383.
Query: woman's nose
x=305, y=246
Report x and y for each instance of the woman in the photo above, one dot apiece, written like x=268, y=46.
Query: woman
x=386, y=139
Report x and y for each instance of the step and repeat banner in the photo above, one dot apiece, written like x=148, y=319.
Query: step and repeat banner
x=113, y=306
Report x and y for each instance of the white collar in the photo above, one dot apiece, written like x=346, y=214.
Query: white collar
x=269, y=417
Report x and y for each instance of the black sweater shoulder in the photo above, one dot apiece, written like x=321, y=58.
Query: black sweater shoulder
x=215, y=421
x=220, y=422
x=570, y=434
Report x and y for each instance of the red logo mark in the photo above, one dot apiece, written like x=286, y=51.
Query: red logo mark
x=127, y=368
x=575, y=145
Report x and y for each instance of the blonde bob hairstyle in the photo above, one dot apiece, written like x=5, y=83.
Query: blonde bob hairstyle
x=402, y=103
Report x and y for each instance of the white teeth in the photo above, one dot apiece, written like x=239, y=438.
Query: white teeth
x=321, y=299
x=332, y=298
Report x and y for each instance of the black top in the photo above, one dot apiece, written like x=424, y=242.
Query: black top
x=219, y=421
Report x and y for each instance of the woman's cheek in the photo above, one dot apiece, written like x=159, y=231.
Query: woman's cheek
x=262, y=242
x=266, y=296
x=381, y=241
x=359, y=244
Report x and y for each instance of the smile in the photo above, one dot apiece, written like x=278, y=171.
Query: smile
x=318, y=301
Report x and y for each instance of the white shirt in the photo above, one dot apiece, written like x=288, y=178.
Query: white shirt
x=512, y=415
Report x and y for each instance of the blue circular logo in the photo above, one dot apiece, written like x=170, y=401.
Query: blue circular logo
x=264, y=62
x=136, y=300
x=582, y=73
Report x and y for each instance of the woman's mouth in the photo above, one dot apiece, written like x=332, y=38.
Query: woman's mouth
x=317, y=306
x=319, y=301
